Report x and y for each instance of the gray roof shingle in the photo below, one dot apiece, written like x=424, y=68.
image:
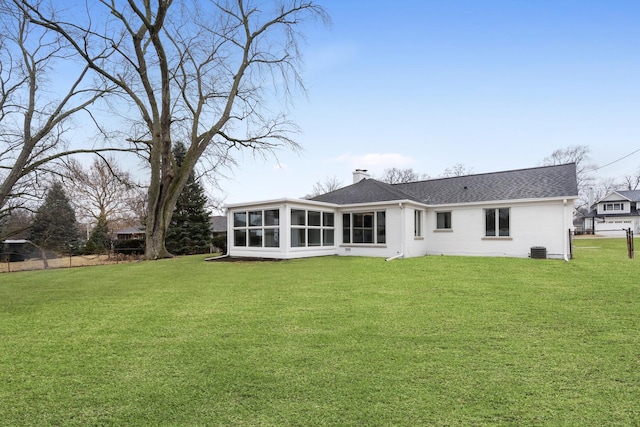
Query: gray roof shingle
x=532, y=183
x=365, y=191
x=632, y=195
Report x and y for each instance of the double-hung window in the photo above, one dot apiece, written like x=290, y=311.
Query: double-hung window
x=497, y=222
x=257, y=228
x=364, y=227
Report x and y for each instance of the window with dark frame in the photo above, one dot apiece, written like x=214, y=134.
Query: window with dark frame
x=257, y=228
x=364, y=227
x=613, y=206
x=497, y=222
x=312, y=228
x=443, y=220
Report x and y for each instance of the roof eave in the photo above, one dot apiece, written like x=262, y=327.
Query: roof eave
x=506, y=201
x=284, y=200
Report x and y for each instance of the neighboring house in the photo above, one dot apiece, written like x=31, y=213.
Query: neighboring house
x=218, y=225
x=130, y=233
x=615, y=213
x=493, y=214
x=15, y=250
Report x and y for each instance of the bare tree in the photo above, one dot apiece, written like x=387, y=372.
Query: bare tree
x=632, y=182
x=603, y=187
x=35, y=113
x=459, y=169
x=16, y=225
x=323, y=187
x=103, y=189
x=399, y=176
x=578, y=154
x=195, y=71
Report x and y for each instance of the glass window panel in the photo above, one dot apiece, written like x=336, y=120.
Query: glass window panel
x=503, y=214
x=272, y=238
x=490, y=222
x=381, y=228
x=346, y=228
x=272, y=217
x=298, y=237
x=358, y=235
x=327, y=219
x=417, y=223
x=298, y=217
x=255, y=219
x=328, y=237
x=314, y=219
x=255, y=238
x=314, y=237
x=240, y=237
x=368, y=220
x=367, y=235
x=358, y=220
x=443, y=220
x=239, y=219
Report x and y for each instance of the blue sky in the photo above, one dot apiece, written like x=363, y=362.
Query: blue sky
x=494, y=84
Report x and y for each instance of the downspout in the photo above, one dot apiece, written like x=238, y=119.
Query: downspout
x=213, y=258
x=402, y=236
x=565, y=232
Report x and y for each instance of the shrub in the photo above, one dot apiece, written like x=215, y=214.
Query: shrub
x=129, y=247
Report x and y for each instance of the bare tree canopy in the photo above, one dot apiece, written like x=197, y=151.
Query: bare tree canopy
x=578, y=154
x=35, y=111
x=631, y=182
x=102, y=190
x=201, y=72
x=399, y=176
x=459, y=169
x=323, y=187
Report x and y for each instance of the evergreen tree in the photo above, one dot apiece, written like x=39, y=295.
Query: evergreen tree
x=99, y=241
x=189, y=231
x=54, y=226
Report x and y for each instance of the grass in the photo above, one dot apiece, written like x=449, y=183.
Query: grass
x=326, y=341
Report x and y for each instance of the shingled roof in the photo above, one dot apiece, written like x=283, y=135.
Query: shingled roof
x=632, y=195
x=532, y=183
x=365, y=191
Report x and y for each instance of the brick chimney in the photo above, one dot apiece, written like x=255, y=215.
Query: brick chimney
x=359, y=175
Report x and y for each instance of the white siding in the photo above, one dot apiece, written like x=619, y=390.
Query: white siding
x=544, y=223
x=285, y=251
x=393, y=245
x=532, y=223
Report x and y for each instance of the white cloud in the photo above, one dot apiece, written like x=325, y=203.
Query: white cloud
x=375, y=162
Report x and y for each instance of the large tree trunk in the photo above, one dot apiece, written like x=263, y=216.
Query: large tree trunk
x=163, y=196
x=154, y=243
x=45, y=261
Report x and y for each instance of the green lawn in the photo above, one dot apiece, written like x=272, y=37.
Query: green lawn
x=326, y=341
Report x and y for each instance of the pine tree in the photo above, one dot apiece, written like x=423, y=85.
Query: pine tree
x=54, y=226
x=189, y=231
x=99, y=241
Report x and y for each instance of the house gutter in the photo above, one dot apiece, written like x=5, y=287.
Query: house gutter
x=565, y=232
x=213, y=258
x=403, y=237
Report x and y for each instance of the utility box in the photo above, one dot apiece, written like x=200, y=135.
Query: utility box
x=538, y=252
